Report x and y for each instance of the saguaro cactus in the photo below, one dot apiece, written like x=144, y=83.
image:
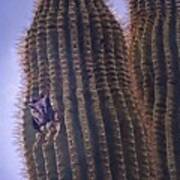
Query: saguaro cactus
x=157, y=49
x=116, y=110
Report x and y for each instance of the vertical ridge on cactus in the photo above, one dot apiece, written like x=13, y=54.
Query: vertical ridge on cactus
x=171, y=57
x=159, y=87
x=69, y=99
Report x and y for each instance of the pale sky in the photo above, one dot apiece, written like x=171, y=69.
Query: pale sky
x=15, y=17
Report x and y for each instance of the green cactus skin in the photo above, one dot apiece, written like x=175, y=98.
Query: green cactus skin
x=117, y=107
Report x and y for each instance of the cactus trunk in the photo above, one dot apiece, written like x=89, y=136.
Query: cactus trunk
x=116, y=107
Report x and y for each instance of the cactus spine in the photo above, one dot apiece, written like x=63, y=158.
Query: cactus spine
x=117, y=110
